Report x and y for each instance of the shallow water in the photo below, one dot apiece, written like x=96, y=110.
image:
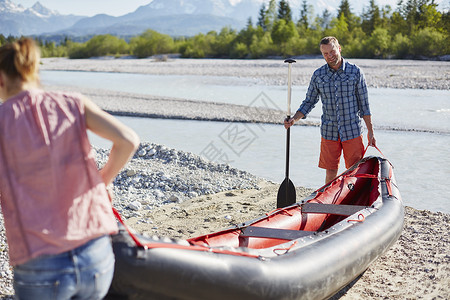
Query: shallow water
x=421, y=159
x=427, y=110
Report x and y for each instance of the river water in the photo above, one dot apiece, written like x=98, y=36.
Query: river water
x=412, y=130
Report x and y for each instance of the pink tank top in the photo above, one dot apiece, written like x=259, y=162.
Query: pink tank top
x=52, y=195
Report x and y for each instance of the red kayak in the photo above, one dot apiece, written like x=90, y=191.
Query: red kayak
x=309, y=250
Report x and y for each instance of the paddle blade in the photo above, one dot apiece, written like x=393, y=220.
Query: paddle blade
x=286, y=194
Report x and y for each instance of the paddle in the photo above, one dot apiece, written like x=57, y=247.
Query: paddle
x=286, y=193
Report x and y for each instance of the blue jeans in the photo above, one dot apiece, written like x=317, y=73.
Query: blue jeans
x=82, y=273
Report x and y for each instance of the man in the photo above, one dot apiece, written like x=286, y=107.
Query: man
x=342, y=89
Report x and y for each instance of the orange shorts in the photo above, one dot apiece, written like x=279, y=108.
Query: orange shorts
x=330, y=152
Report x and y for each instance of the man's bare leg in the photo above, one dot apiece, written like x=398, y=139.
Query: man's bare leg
x=330, y=175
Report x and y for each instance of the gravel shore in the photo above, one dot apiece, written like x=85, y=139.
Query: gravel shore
x=172, y=193
x=404, y=74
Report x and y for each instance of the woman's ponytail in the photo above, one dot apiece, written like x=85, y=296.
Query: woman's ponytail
x=20, y=59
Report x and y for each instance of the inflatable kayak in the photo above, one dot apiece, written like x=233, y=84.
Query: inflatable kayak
x=309, y=250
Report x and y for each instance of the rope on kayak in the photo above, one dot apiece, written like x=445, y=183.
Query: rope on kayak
x=372, y=176
x=388, y=181
x=286, y=250
x=281, y=210
x=361, y=218
x=135, y=239
x=177, y=246
x=198, y=248
x=367, y=147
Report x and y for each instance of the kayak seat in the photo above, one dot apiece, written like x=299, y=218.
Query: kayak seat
x=288, y=234
x=274, y=233
x=332, y=209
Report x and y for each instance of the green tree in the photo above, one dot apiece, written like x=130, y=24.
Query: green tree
x=101, y=45
x=224, y=42
x=386, y=14
x=262, y=46
x=11, y=39
x=378, y=43
x=371, y=18
x=77, y=50
x=199, y=46
x=413, y=15
x=445, y=22
x=246, y=35
x=398, y=24
x=409, y=12
x=193, y=47
x=298, y=46
x=2, y=40
x=151, y=43
x=340, y=29
x=284, y=11
x=303, y=22
x=282, y=33
x=271, y=15
x=429, y=16
x=401, y=46
x=262, y=17
x=324, y=21
x=240, y=50
x=345, y=11
x=49, y=49
x=428, y=42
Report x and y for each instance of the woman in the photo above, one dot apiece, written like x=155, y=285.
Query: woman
x=56, y=208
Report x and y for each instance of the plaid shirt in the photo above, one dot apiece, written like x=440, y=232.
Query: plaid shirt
x=344, y=100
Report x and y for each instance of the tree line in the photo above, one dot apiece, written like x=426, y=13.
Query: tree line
x=414, y=29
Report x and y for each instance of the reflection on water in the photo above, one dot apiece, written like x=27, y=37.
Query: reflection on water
x=421, y=160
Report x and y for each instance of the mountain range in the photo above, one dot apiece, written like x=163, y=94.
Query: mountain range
x=173, y=17
x=16, y=20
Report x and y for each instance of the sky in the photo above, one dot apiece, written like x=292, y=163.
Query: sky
x=122, y=7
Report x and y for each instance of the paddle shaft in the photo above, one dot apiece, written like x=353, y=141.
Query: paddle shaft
x=289, y=61
x=288, y=141
x=286, y=193
x=288, y=133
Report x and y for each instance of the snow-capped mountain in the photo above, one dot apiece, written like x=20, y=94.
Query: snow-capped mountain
x=16, y=20
x=38, y=10
x=41, y=11
x=9, y=7
x=189, y=17
x=178, y=17
x=188, y=7
x=174, y=17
